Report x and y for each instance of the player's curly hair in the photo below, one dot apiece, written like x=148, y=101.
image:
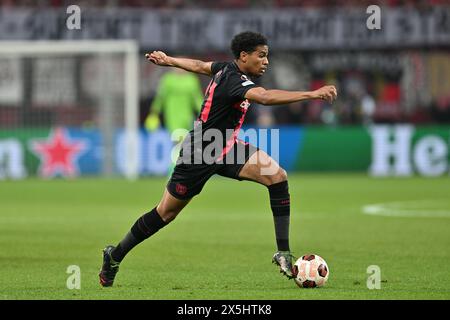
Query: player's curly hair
x=247, y=41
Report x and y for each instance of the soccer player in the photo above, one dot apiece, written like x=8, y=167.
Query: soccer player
x=179, y=94
x=227, y=99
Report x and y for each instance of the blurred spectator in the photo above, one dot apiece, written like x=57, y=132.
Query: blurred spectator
x=223, y=4
x=374, y=86
x=440, y=110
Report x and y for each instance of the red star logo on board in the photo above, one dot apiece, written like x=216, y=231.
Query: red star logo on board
x=58, y=154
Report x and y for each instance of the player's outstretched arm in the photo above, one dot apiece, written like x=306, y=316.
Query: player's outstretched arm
x=161, y=59
x=274, y=97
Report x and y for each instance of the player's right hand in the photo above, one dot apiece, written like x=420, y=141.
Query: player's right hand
x=327, y=93
x=152, y=122
x=158, y=57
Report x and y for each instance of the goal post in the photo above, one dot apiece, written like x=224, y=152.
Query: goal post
x=103, y=51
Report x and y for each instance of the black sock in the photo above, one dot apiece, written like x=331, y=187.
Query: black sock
x=280, y=204
x=144, y=227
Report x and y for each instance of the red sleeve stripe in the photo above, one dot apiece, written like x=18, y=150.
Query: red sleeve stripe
x=207, y=107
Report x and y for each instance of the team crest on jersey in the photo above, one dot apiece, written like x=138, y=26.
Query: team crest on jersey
x=181, y=189
x=245, y=104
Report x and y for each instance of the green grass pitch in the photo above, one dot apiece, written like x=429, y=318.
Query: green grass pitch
x=220, y=246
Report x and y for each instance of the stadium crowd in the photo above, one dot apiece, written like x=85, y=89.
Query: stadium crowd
x=416, y=92
x=220, y=3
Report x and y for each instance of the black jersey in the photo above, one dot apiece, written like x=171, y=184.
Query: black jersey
x=225, y=105
x=222, y=114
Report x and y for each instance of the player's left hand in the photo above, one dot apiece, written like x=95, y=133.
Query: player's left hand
x=328, y=93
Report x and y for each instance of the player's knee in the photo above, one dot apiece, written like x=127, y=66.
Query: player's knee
x=280, y=176
x=283, y=174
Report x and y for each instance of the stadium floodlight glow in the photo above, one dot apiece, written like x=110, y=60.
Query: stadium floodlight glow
x=130, y=50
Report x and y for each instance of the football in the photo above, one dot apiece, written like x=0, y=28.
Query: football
x=311, y=271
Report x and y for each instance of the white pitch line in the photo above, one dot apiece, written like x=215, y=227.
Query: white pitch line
x=407, y=209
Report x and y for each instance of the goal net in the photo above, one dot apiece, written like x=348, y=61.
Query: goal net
x=69, y=108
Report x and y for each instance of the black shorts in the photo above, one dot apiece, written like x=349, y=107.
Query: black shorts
x=187, y=180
